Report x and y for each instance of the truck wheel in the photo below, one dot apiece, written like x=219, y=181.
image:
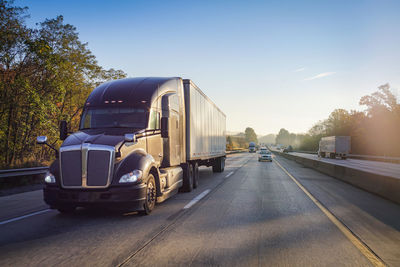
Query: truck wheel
x=151, y=192
x=187, y=178
x=219, y=165
x=195, y=175
x=66, y=209
x=322, y=154
x=332, y=155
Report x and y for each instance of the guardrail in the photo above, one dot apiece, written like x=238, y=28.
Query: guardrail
x=355, y=156
x=236, y=151
x=23, y=172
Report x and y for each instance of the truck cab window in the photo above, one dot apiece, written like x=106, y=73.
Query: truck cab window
x=94, y=118
x=154, y=121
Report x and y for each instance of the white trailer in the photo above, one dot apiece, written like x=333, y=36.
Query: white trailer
x=205, y=128
x=334, y=146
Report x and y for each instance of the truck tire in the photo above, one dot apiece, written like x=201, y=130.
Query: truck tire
x=219, y=165
x=187, y=178
x=195, y=175
x=332, y=155
x=151, y=192
x=322, y=154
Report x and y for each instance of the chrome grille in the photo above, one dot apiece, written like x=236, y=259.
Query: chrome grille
x=86, y=166
x=71, y=168
x=98, y=167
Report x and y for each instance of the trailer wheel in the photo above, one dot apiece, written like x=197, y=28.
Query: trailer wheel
x=219, y=165
x=195, y=175
x=187, y=178
x=151, y=192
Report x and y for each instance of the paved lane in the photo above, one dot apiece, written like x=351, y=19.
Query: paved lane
x=252, y=214
x=257, y=217
x=100, y=238
x=381, y=168
x=376, y=221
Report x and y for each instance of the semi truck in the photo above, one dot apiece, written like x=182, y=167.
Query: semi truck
x=252, y=147
x=334, y=146
x=140, y=141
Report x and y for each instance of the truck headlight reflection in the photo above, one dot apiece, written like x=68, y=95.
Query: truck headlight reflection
x=131, y=177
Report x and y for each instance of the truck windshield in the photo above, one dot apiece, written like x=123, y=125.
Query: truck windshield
x=113, y=118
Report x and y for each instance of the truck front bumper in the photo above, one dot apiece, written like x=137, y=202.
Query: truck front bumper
x=130, y=197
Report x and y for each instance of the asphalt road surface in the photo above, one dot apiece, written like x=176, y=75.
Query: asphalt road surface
x=253, y=214
x=377, y=167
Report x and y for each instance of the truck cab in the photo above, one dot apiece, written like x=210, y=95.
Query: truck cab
x=130, y=150
x=252, y=147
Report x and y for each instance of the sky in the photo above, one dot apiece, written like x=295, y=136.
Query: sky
x=267, y=64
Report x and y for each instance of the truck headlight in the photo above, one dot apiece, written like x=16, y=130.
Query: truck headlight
x=49, y=178
x=131, y=177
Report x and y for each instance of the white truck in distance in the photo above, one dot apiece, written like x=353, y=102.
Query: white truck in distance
x=334, y=146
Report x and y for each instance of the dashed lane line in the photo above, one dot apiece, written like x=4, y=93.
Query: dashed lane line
x=25, y=216
x=229, y=174
x=196, y=199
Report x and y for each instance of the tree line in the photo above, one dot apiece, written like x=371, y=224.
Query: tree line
x=375, y=131
x=46, y=74
x=241, y=140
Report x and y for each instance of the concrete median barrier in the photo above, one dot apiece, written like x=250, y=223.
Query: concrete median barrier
x=384, y=186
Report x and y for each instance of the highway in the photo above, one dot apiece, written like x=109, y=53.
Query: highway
x=377, y=167
x=253, y=214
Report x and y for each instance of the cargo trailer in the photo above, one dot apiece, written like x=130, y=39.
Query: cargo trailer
x=334, y=146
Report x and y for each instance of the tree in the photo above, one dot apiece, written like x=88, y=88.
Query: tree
x=379, y=132
x=381, y=101
x=338, y=123
x=250, y=135
x=46, y=75
x=283, y=137
x=267, y=139
x=229, y=143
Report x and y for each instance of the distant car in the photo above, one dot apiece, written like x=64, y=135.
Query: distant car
x=265, y=155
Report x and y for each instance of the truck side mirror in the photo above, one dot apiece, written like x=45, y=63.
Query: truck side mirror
x=130, y=138
x=63, y=130
x=164, y=127
x=41, y=140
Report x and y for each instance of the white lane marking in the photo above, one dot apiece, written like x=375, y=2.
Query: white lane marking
x=229, y=174
x=24, y=216
x=196, y=199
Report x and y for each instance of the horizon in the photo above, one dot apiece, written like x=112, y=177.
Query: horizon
x=288, y=65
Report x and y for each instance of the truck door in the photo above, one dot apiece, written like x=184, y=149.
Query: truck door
x=172, y=144
x=173, y=129
x=154, y=140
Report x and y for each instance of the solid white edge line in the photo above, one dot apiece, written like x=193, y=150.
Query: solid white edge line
x=196, y=199
x=24, y=216
x=229, y=174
